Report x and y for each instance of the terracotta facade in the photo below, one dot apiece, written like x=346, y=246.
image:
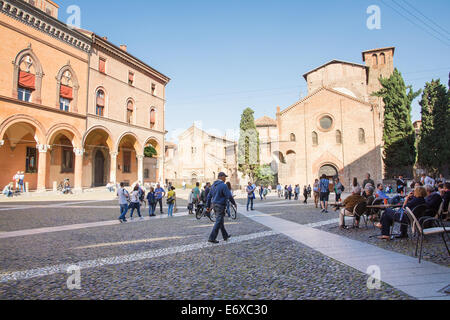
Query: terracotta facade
x=49, y=126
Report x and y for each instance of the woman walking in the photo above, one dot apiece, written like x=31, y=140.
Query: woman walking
x=135, y=203
x=316, y=193
x=171, y=197
x=151, y=199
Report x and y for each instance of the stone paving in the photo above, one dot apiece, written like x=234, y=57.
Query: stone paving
x=267, y=267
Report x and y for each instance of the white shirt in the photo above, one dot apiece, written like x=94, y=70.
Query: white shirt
x=135, y=196
x=429, y=181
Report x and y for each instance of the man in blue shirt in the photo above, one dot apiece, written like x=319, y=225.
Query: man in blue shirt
x=250, y=195
x=160, y=193
x=324, y=187
x=217, y=200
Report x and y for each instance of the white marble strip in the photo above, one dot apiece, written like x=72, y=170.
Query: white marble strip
x=397, y=270
x=62, y=268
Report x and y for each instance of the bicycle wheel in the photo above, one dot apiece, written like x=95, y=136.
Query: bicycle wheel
x=233, y=212
x=212, y=216
x=198, y=214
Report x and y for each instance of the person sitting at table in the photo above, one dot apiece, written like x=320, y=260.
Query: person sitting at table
x=433, y=199
x=444, y=190
x=349, y=205
x=413, y=200
x=370, y=197
x=380, y=194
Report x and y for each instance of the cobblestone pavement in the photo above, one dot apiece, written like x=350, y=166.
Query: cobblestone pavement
x=434, y=248
x=266, y=267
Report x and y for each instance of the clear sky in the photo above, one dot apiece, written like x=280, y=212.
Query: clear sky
x=224, y=56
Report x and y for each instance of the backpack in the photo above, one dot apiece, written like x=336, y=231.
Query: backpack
x=342, y=188
x=141, y=195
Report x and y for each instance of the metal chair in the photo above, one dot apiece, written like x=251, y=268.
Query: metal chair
x=358, y=211
x=419, y=212
x=439, y=228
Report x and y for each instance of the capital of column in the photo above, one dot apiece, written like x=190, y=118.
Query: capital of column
x=78, y=151
x=140, y=157
x=43, y=148
x=114, y=154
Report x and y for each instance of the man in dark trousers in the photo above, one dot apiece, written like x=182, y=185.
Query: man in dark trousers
x=217, y=200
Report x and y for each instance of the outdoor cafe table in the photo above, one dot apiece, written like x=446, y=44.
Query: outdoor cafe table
x=385, y=206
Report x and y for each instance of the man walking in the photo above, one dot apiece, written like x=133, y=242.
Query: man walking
x=250, y=195
x=160, y=193
x=217, y=200
x=324, y=187
x=123, y=195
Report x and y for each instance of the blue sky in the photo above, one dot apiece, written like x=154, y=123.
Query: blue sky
x=224, y=56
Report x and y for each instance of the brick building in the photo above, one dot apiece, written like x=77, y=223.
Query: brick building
x=337, y=129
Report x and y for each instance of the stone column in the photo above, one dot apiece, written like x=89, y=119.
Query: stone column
x=42, y=167
x=140, y=169
x=78, y=169
x=2, y=143
x=161, y=170
x=113, y=169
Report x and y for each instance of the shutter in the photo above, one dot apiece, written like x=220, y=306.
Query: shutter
x=102, y=66
x=66, y=92
x=27, y=80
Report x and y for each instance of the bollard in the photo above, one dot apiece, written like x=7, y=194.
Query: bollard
x=27, y=190
x=55, y=186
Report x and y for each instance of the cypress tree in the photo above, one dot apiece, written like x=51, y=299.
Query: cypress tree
x=433, y=145
x=248, y=147
x=398, y=135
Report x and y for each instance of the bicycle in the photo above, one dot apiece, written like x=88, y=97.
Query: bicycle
x=200, y=212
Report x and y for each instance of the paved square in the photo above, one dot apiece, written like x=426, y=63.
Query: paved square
x=274, y=254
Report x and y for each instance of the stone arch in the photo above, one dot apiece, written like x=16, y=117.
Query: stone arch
x=76, y=85
x=68, y=130
x=38, y=69
x=155, y=142
x=110, y=143
x=137, y=145
x=330, y=169
x=23, y=118
x=291, y=164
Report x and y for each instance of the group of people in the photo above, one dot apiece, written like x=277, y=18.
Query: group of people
x=154, y=197
x=288, y=192
x=17, y=185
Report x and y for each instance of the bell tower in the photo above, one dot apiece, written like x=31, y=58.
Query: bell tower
x=381, y=64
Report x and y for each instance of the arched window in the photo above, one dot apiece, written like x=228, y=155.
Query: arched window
x=338, y=137
x=100, y=103
x=293, y=138
x=130, y=109
x=67, y=89
x=152, y=118
x=362, y=136
x=383, y=58
x=315, y=139
x=27, y=77
x=375, y=59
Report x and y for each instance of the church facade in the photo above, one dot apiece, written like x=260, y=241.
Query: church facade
x=336, y=129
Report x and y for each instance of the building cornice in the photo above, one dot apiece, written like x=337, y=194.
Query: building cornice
x=35, y=18
x=128, y=58
x=41, y=107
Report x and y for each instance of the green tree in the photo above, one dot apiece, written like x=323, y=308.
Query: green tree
x=434, y=144
x=265, y=175
x=248, y=147
x=398, y=136
x=150, y=152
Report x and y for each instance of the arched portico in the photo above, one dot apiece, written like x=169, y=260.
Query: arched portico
x=23, y=149
x=130, y=159
x=99, y=162
x=154, y=165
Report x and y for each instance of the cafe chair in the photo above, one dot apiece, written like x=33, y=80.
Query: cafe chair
x=437, y=228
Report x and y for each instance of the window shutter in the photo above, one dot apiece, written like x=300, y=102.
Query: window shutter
x=27, y=80
x=66, y=92
x=102, y=66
